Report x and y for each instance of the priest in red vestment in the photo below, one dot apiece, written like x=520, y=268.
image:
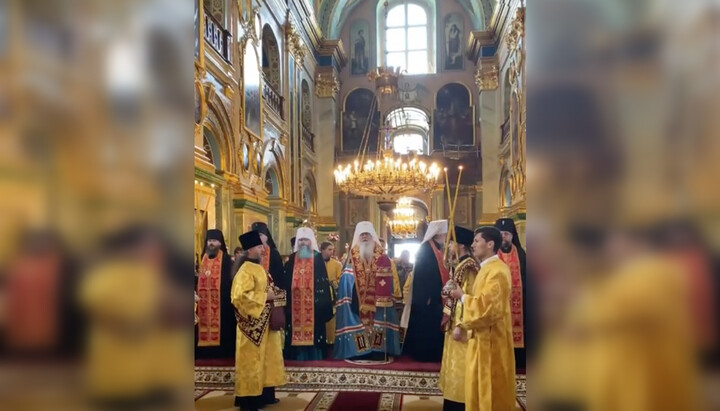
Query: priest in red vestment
x=512, y=254
x=216, y=317
x=309, y=302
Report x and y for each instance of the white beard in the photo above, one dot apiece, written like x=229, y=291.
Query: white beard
x=367, y=250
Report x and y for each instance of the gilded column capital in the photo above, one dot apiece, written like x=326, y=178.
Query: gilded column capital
x=326, y=84
x=486, y=77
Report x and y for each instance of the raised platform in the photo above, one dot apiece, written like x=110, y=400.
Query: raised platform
x=402, y=376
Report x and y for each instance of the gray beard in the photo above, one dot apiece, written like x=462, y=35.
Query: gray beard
x=367, y=251
x=305, y=252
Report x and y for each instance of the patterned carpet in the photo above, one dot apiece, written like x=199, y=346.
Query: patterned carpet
x=329, y=401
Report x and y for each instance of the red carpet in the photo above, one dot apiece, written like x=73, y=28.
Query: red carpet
x=356, y=401
x=400, y=364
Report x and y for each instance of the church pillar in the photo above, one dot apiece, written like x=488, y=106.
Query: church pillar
x=490, y=149
x=326, y=88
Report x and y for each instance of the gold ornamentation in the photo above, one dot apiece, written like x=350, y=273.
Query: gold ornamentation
x=295, y=44
x=517, y=29
x=326, y=84
x=487, y=79
x=404, y=224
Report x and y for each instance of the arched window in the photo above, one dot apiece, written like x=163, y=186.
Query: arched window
x=407, y=36
x=409, y=130
x=271, y=58
x=271, y=183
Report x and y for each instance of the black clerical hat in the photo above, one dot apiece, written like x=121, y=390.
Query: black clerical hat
x=215, y=234
x=250, y=239
x=262, y=228
x=506, y=224
x=464, y=236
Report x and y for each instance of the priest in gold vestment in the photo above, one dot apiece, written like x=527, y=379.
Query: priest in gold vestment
x=334, y=268
x=452, y=371
x=490, y=369
x=259, y=362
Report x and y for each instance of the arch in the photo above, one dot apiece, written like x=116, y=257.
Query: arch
x=505, y=195
x=333, y=14
x=271, y=58
x=218, y=122
x=273, y=159
x=411, y=127
x=309, y=193
x=252, y=91
x=212, y=149
x=272, y=185
x=454, y=118
x=306, y=99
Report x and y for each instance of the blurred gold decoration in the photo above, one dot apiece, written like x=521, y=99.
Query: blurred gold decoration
x=326, y=84
x=487, y=78
x=404, y=224
x=390, y=175
x=386, y=80
x=517, y=29
x=295, y=44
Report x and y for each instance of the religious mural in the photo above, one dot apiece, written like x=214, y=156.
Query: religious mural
x=251, y=89
x=360, y=47
x=355, y=117
x=453, y=121
x=454, y=45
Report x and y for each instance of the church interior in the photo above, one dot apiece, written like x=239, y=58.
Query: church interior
x=327, y=113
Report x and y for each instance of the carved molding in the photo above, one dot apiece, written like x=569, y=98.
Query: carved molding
x=517, y=29
x=487, y=77
x=326, y=84
x=294, y=41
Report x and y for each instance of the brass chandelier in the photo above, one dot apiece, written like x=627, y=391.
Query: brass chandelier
x=389, y=175
x=404, y=224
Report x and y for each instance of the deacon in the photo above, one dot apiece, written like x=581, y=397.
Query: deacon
x=271, y=258
x=259, y=363
x=423, y=314
x=366, y=320
x=310, y=302
x=490, y=364
x=512, y=254
x=452, y=371
x=216, y=321
x=334, y=268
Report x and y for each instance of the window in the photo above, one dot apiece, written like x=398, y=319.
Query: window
x=408, y=33
x=409, y=130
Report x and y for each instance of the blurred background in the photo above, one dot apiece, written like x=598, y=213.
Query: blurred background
x=96, y=204
x=96, y=226
x=623, y=204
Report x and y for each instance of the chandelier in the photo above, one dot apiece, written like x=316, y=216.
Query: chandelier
x=389, y=175
x=404, y=224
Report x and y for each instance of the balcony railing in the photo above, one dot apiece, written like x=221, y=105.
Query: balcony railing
x=273, y=98
x=216, y=35
x=308, y=138
x=505, y=131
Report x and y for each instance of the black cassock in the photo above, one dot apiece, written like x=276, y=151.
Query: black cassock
x=424, y=338
x=323, y=304
x=276, y=269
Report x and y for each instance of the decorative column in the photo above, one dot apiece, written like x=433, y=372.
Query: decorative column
x=326, y=89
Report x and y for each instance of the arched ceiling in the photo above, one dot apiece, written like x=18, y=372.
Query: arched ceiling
x=332, y=14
